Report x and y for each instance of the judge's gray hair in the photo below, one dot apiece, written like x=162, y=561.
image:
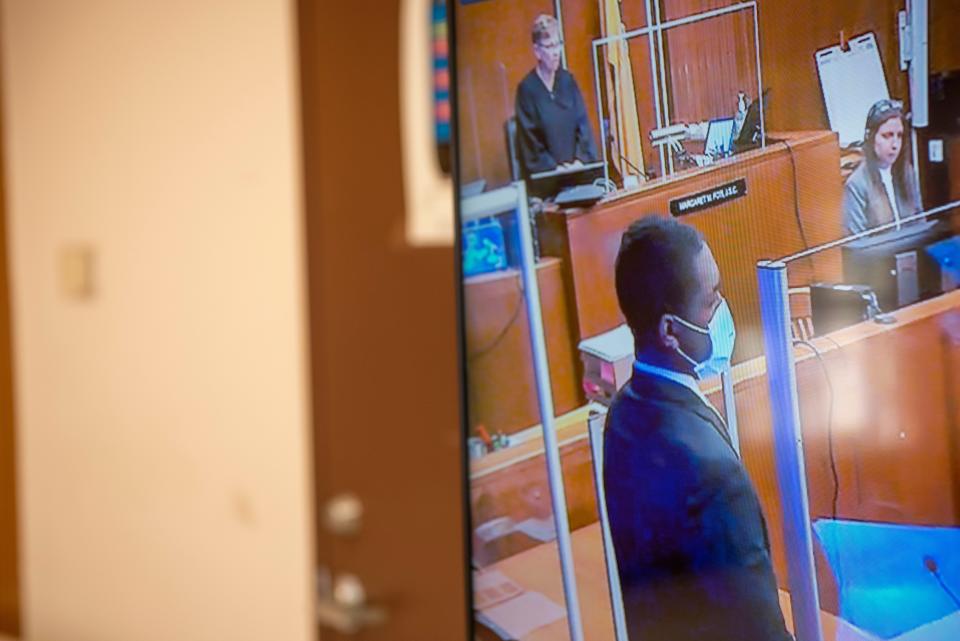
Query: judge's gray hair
x=543, y=27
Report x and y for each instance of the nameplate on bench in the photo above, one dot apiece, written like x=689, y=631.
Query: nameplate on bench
x=709, y=198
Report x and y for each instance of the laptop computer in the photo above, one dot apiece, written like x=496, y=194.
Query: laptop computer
x=719, y=138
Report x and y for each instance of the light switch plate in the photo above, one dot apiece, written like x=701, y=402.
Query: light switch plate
x=935, y=149
x=77, y=272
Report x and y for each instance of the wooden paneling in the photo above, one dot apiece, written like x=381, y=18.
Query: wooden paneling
x=894, y=436
x=674, y=9
x=524, y=493
x=645, y=89
x=634, y=14
x=501, y=387
x=763, y=224
x=790, y=33
x=944, y=25
x=891, y=418
x=9, y=545
x=513, y=483
x=953, y=155
x=709, y=62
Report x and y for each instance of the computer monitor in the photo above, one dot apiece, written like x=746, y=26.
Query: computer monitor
x=895, y=263
x=719, y=138
x=750, y=135
x=547, y=184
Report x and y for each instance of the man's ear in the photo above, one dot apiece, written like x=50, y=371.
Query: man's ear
x=667, y=332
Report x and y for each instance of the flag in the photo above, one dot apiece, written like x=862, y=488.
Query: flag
x=626, y=146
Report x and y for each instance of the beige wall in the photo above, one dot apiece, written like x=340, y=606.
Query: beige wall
x=163, y=424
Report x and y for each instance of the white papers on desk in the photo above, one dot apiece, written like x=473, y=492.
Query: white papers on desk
x=521, y=615
x=511, y=611
x=851, y=82
x=491, y=587
x=542, y=530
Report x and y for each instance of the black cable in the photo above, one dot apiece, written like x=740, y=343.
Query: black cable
x=645, y=175
x=796, y=195
x=931, y=565
x=514, y=315
x=949, y=592
x=840, y=349
x=833, y=461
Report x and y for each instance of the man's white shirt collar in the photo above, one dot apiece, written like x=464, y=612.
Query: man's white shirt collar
x=680, y=378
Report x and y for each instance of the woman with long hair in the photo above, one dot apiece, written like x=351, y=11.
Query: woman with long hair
x=883, y=189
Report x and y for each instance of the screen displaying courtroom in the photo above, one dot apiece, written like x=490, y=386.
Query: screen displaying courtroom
x=709, y=254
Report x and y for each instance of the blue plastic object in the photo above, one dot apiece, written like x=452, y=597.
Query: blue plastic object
x=484, y=249
x=947, y=254
x=883, y=573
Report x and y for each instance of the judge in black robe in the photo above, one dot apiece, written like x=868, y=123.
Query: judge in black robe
x=552, y=125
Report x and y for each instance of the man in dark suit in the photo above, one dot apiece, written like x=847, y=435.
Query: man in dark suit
x=689, y=534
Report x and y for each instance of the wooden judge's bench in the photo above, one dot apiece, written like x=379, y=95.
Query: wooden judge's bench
x=765, y=203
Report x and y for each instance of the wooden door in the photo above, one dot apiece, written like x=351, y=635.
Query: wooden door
x=9, y=570
x=383, y=333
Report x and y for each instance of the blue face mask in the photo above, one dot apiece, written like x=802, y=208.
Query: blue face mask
x=722, y=334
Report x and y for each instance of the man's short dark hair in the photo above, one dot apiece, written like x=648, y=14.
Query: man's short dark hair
x=655, y=271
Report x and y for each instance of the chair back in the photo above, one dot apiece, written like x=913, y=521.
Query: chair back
x=513, y=151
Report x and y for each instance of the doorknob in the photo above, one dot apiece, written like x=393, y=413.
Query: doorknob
x=343, y=514
x=342, y=604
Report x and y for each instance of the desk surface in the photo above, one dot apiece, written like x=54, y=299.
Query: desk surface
x=538, y=569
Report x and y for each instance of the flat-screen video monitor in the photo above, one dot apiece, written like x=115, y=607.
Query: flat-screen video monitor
x=719, y=138
x=549, y=183
x=660, y=443
x=751, y=135
x=895, y=263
